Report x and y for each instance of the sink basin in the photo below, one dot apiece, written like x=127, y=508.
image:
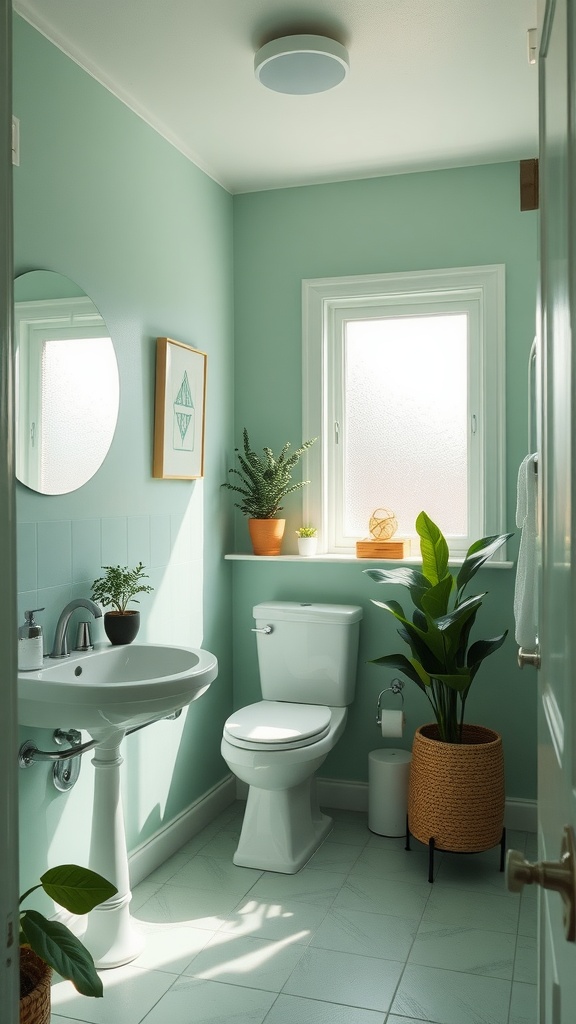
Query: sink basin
x=113, y=687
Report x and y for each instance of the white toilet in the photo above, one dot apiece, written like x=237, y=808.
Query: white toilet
x=307, y=657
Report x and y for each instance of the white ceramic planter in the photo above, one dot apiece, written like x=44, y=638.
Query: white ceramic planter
x=307, y=546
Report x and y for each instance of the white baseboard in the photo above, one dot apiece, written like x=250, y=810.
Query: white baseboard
x=167, y=840
x=346, y=794
x=520, y=815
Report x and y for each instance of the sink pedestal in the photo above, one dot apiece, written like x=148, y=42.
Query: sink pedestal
x=111, y=936
x=129, y=686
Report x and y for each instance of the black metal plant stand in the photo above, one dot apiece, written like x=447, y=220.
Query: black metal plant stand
x=432, y=847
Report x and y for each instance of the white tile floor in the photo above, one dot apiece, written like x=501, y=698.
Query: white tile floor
x=358, y=936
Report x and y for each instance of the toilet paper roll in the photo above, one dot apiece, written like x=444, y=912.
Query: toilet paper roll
x=392, y=723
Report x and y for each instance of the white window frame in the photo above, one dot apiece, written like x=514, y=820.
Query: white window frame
x=326, y=304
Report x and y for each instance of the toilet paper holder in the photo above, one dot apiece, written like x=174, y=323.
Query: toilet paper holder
x=396, y=687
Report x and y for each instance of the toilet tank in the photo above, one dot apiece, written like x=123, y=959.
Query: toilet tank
x=309, y=654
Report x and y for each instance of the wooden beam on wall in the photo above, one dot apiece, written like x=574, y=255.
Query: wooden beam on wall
x=529, y=185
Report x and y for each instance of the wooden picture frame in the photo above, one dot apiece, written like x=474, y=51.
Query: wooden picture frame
x=179, y=411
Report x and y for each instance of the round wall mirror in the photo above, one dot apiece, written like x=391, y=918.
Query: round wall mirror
x=67, y=384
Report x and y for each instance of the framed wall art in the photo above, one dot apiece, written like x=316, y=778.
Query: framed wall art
x=179, y=411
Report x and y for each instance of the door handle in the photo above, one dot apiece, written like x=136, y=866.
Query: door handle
x=528, y=658
x=559, y=875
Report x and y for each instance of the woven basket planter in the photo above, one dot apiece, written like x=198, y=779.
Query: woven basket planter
x=35, y=977
x=456, y=790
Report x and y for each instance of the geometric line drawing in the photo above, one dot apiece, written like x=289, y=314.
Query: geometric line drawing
x=183, y=421
x=184, y=396
x=184, y=418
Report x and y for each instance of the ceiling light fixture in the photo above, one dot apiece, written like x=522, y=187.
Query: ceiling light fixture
x=301, y=64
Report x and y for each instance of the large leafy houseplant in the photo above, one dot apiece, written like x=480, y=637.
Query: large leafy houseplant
x=78, y=890
x=443, y=662
x=265, y=481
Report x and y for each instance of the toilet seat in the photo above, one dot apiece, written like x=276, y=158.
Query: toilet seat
x=277, y=725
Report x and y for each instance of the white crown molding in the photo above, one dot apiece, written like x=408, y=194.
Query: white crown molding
x=44, y=28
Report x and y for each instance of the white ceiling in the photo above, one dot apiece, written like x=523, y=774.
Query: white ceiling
x=432, y=83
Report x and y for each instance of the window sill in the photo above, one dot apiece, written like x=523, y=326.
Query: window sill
x=345, y=559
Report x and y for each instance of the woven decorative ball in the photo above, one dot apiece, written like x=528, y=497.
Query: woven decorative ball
x=383, y=524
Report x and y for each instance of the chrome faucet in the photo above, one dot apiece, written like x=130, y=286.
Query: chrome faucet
x=60, y=647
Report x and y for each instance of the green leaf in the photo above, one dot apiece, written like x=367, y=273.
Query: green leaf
x=77, y=889
x=460, y=613
x=426, y=646
x=464, y=638
x=435, y=600
x=434, y=549
x=415, y=581
x=405, y=665
x=59, y=948
x=452, y=625
x=393, y=607
x=477, y=554
x=419, y=619
x=456, y=681
x=483, y=648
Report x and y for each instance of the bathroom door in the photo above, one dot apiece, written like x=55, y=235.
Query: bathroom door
x=557, y=483
x=8, y=722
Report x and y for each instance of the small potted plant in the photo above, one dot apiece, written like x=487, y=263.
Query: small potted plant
x=116, y=589
x=264, y=483
x=49, y=945
x=307, y=541
x=456, y=791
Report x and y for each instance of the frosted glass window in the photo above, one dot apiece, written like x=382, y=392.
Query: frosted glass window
x=76, y=375
x=406, y=421
x=403, y=385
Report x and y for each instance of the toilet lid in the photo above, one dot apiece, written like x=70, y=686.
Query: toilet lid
x=277, y=725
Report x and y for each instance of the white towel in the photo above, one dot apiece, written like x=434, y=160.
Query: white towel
x=525, y=593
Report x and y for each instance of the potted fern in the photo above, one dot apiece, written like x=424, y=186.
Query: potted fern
x=264, y=482
x=116, y=589
x=47, y=945
x=456, y=792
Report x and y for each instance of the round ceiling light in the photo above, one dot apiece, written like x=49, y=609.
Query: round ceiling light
x=301, y=65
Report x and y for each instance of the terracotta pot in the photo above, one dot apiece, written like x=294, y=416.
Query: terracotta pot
x=456, y=790
x=266, y=535
x=35, y=977
x=121, y=627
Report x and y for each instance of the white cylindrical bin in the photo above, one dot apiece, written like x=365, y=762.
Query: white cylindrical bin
x=388, y=772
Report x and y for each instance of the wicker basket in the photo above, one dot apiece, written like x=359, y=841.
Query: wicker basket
x=35, y=978
x=456, y=790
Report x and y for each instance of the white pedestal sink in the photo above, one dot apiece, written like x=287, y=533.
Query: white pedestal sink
x=106, y=692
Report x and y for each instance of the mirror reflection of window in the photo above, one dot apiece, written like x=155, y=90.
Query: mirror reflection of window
x=73, y=376
x=67, y=388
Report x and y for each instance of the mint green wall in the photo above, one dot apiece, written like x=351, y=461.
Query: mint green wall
x=451, y=218
x=103, y=199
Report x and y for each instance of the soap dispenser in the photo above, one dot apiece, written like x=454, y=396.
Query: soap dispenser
x=30, y=643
